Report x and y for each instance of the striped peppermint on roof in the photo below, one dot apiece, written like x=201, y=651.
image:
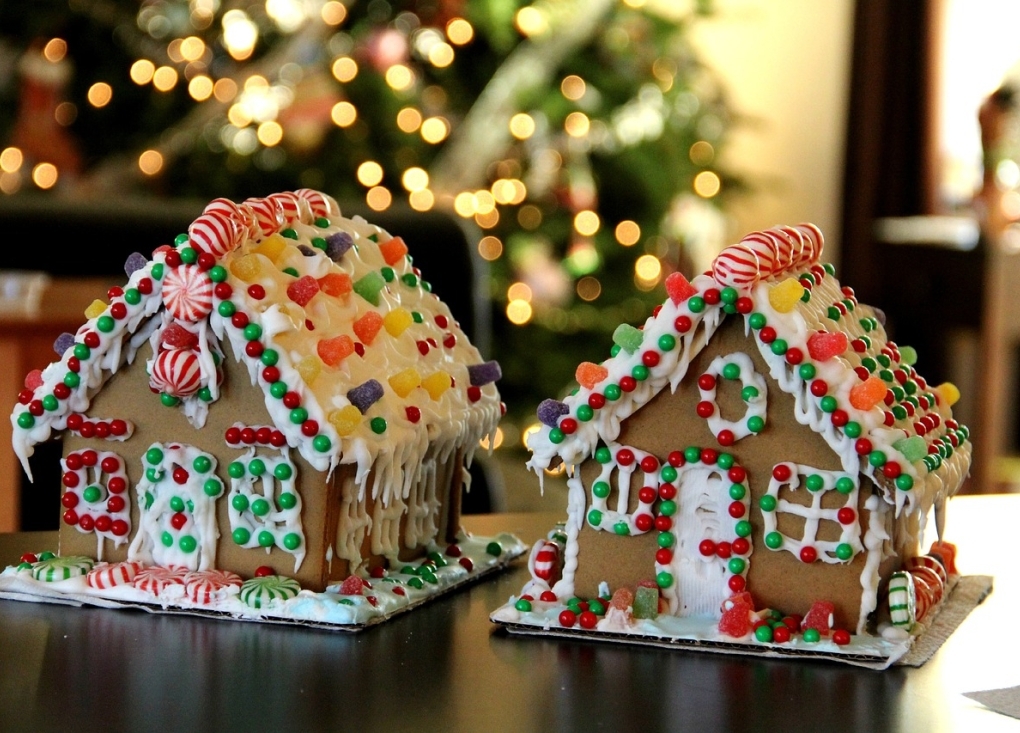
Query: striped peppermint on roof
x=851, y=385
x=329, y=315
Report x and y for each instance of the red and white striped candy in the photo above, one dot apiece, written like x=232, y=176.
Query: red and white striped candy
x=176, y=372
x=289, y=205
x=215, y=232
x=239, y=213
x=815, y=241
x=187, y=293
x=205, y=586
x=743, y=265
x=546, y=561
x=109, y=576
x=267, y=215
x=156, y=578
x=926, y=561
x=318, y=202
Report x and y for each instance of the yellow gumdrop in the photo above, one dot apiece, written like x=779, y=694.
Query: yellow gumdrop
x=785, y=295
x=95, y=309
x=246, y=267
x=436, y=384
x=271, y=247
x=309, y=368
x=397, y=320
x=405, y=381
x=345, y=420
x=948, y=393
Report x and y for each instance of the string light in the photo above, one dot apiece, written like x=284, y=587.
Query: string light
x=647, y=271
x=141, y=71
x=459, y=31
x=10, y=182
x=518, y=312
x=465, y=205
x=370, y=173
x=200, y=88
x=519, y=291
x=586, y=223
x=487, y=219
x=421, y=200
x=701, y=153
x=164, y=78
x=627, y=233
x=529, y=217
x=55, y=50
x=588, y=288
x=99, y=94
x=225, y=90
x=343, y=114
x=333, y=13
x=408, y=119
x=239, y=34
x=573, y=87
x=522, y=126
x=150, y=162
x=496, y=442
x=707, y=184
x=490, y=248
x=379, y=198
x=11, y=160
x=415, y=179
x=399, y=77
x=65, y=113
x=270, y=133
x=345, y=69
x=441, y=55
x=577, y=124
x=45, y=175
x=434, y=130
x=531, y=22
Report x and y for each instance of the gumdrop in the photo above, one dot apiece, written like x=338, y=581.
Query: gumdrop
x=246, y=268
x=335, y=350
x=134, y=262
x=397, y=321
x=336, y=284
x=913, y=448
x=345, y=420
x=484, y=373
x=303, y=290
x=366, y=327
x=393, y=250
x=820, y=617
x=368, y=287
x=95, y=309
x=176, y=336
x=946, y=552
x=436, y=384
x=736, y=618
x=365, y=395
x=352, y=586
x=784, y=296
x=679, y=288
x=64, y=342
x=309, y=368
x=627, y=337
x=646, y=602
x=948, y=393
x=550, y=412
x=908, y=355
x=33, y=380
x=271, y=247
x=405, y=381
x=824, y=345
x=337, y=245
x=623, y=598
x=589, y=374
x=307, y=251
x=868, y=393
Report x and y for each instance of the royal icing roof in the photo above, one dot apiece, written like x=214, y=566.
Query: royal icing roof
x=358, y=361
x=851, y=385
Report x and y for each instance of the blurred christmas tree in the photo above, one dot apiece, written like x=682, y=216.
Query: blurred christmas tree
x=579, y=136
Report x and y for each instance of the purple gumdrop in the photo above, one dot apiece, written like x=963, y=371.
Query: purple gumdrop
x=365, y=395
x=879, y=315
x=337, y=244
x=550, y=412
x=64, y=342
x=485, y=373
x=307, y=251
x=135, y=261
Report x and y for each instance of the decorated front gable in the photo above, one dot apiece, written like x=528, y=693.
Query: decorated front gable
x=756, y=452
x=277, y=397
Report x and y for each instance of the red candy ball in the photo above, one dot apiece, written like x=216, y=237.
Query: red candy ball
x=588, y=620
x=263, y=570
x=808, y=554
x=568, y=618
x=841, y=636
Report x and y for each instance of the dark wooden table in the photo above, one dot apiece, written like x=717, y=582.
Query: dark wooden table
x=445, y=668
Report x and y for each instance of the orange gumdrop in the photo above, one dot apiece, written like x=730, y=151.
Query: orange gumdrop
x=947, y=551
x=335, y=350
x=588, y=374
x=868, y=393
x=368, y=326
x=337, y=284
x=393, y=250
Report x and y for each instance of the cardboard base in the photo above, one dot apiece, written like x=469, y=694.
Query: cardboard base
x=700, y=634
x=387, y=597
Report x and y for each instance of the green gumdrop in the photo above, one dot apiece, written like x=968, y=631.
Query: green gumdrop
x=627, y=337
x=368, y=287
x=913, y=448
x=908, y=355
x=646, y=602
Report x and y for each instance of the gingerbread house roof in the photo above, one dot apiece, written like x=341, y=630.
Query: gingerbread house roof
x=357, y=360
x=850, y=384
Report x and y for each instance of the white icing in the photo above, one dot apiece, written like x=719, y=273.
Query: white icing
x=96, y=476
x=756, y=406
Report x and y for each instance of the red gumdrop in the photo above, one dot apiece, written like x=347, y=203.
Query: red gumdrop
x=33, y=380
x=176, y=336
x=303, y=290
x=823, y=345
x=352, y=586
x=366, y=327
x=819, y=617
x=679, y=288
x=736, y=620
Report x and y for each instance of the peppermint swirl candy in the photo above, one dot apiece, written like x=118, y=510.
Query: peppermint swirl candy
x=216, y=232
x=319, y=203
x=187, y=293
x=260, y=592
x=268, y=217
x=242, y=215
x=177, y=372
x=61, y=568
x=106, y=575
x=762, y=255
x=290, y=206
x=156, y=578
x=206, y=586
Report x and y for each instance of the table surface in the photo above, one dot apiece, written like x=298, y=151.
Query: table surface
x=446, y=667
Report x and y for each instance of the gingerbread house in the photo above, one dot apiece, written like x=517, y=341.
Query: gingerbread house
x=757, y=441
x=276, y=402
